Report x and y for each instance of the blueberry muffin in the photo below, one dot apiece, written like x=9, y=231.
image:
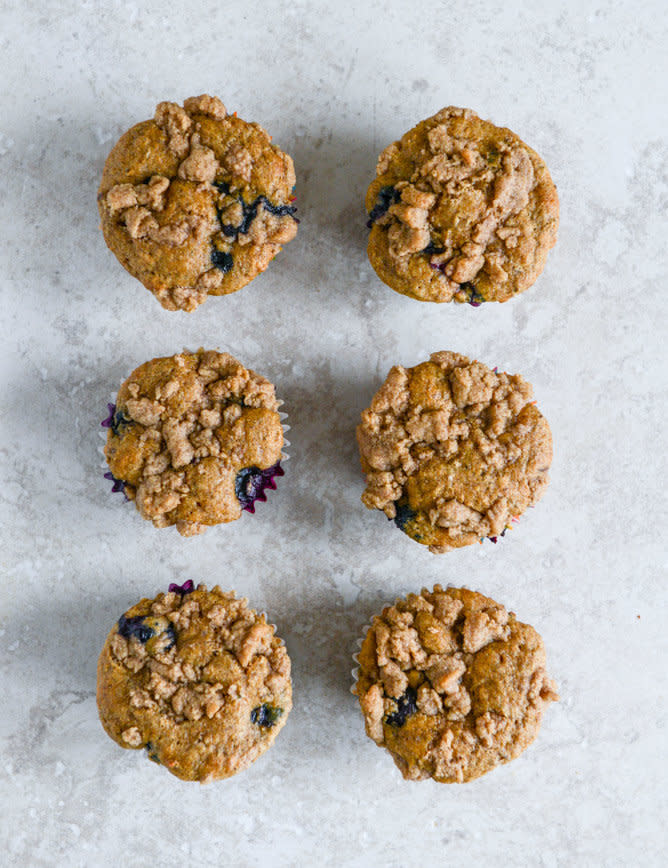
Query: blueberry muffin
x=451, y=684
x=194, y=439
x=453, y=451
x=460, y=210
x=196, y=201
x=197, y=679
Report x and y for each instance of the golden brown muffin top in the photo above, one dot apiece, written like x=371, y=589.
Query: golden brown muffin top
x=460, y=210
x=196, y=201
x=451, y=684
x=191, y=437
x=453, y=450
x=197, y=678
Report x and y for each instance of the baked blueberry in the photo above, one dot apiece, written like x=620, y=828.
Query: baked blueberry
x=404, y=514
x=223, y=261
x=136, y=627
x=265, y=715
x=386, y=196
x=406, y=705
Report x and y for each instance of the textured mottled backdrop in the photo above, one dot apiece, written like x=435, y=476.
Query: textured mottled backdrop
x=585, y=84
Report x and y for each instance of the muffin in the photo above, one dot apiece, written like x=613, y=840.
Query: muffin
x=453, y=451
x=196, y=201
x=194, y=439
x=460, y=210
x=451, y=684
x=197, y=679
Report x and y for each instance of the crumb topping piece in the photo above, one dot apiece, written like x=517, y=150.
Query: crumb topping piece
x=190, y=427
x=174, y=214
x=453, y=450
x=451, y=684
x=462, y=210
x=223, y=675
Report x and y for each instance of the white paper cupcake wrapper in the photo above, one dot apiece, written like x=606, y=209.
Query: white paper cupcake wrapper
x=358, y=645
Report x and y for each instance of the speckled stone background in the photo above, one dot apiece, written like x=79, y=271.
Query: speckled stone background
x=585, y=83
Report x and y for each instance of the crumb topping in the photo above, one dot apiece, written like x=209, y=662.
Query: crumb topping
x=222, y=652
x=471, y=199
x=452, y=450
x=451, y=684
x=158, y=211
x=183, y=430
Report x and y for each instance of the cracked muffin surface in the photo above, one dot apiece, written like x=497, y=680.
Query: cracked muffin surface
x=460, y=210
x=196, y=201
x=453, y=451
x=198, y=679
x=194, y=439
x=451, y=684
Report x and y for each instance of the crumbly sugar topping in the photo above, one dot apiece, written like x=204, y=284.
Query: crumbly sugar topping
x=183, y=429
x=227, y=653
x=463, y=196
x=453, y=450
x=432, y=691
x=200, y=658
x=157, y=210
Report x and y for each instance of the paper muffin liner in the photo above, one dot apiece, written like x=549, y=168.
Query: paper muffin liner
x=355, y=671
x=118, y=485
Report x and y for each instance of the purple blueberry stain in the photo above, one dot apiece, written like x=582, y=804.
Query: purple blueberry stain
x=118, y=485
x=108, y=422
x=186, y=588
x=406, y=706
x=251, y=483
